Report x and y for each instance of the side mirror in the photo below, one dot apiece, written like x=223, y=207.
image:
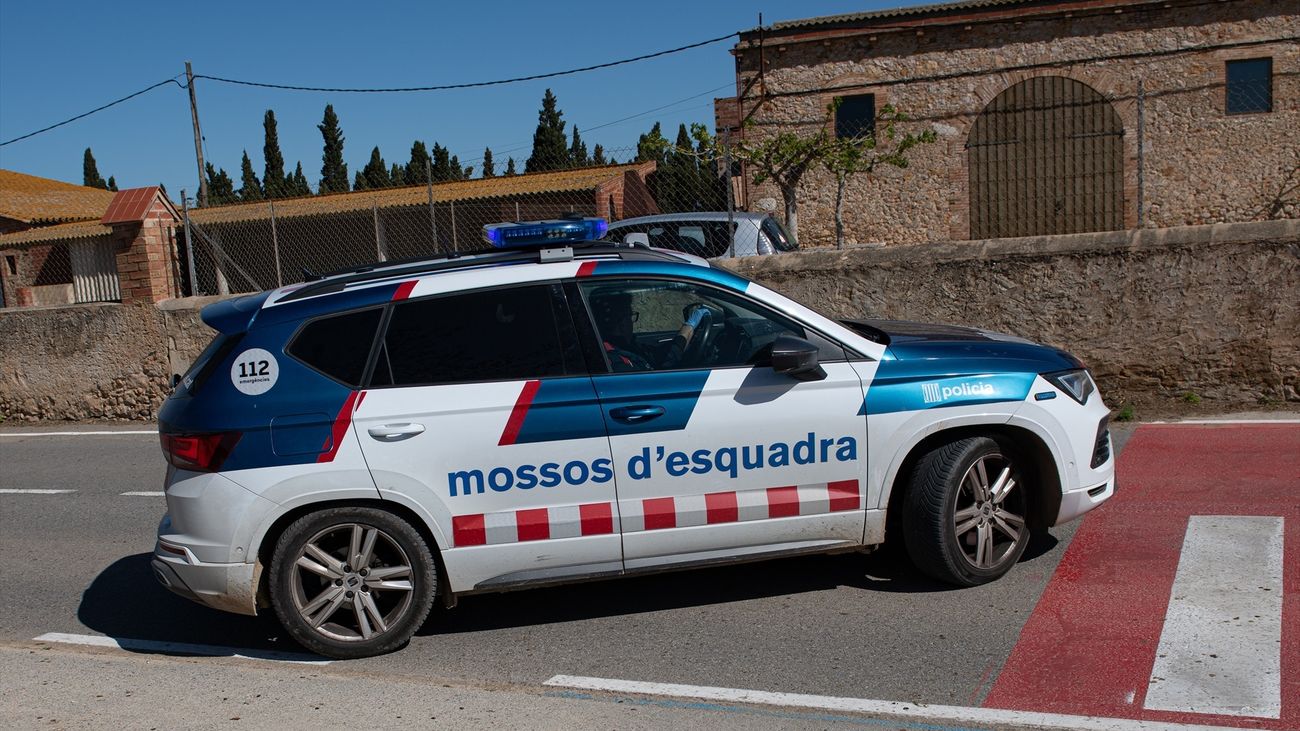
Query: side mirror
x=796, y=358
x=637, y=239
x=176, y=380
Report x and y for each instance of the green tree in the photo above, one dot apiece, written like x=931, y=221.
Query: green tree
x=458, y=172
x=578, y=151
x=274, y=181
x=598, y=155
x=489, y=170
x=550, y=149
x=333, y=171
x=375, y=172
x=510, y=166
x=862, y=154
x=652, y=145
x=250, y=187
x=441, y=164
x=687, y=179
x=90, y=176
x=112, y=183
x=298, y=185
x=417, y=170
x=221, y=189
x=397, y=175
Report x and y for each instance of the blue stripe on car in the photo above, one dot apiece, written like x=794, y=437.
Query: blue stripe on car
x=563, y=408
x=676, y=392
x=713, y=275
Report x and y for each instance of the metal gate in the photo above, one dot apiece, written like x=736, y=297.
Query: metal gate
x=1046, y=157
x=94, y=271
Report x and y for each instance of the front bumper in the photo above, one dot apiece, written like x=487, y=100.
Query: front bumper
x=1077, y=502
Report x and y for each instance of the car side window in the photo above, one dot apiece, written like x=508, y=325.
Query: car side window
x=652, y=324
x=492, y=335
x=338, y=345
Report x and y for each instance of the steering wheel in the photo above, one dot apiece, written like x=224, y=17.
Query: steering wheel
x=694, y=338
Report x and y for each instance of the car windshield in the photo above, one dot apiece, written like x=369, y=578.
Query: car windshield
x=777, y=234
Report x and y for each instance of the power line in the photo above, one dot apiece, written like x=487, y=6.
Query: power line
x=96, y=109
x=474, y=84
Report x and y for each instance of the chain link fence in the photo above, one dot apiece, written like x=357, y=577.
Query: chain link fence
x=261, y=245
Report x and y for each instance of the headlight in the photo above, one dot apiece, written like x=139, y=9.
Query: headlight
x=1077, y=383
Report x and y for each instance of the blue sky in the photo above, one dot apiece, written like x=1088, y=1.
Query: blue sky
x=61, y=59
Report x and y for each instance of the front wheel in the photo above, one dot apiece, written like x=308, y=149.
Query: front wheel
x=352, y=582
x=964, y=512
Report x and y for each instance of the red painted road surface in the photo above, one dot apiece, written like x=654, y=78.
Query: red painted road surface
x=1089, y=646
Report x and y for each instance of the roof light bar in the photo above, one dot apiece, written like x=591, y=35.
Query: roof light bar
x=531, y=233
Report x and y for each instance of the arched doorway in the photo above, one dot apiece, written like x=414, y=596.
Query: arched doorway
x=1046, y=157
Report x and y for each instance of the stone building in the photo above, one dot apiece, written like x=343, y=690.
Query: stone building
x=1051, y=117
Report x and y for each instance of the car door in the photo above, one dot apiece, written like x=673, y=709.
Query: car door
x=715, y=454
x=480, y=413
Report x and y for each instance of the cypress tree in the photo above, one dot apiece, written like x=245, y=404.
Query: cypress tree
x=274, y=182
x=221, y=189
x=578, y=151
x=359, y=181
x=375, y=172
x=112, y=183
x=457, y=172
x=489, y=170
x=397, y=175
x=417, y=168
x=90, y=176
x=298, y=185
x=441, y=164
x=598, y=155
x=510, y=166
x=651, y=146
x=333, y=171
x=550, y=149
x=251, y=187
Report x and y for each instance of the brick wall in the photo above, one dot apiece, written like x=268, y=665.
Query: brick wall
x=1199, y=165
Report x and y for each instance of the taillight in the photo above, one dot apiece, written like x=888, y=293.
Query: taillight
x=198, y=452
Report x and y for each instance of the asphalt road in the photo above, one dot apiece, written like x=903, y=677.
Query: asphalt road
x=848, y=625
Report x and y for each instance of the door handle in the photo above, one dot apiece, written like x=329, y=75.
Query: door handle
x=636, y=414
x=395, y=432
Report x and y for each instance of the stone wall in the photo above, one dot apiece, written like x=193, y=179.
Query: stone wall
x=1157, y=314
x=1198, y=165
x=1209, y=310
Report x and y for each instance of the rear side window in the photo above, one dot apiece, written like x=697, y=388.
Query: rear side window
x=338, y=346
x=494, y=335
x=211, y=357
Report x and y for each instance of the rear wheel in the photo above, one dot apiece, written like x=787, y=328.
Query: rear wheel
x=964, y=512
x=352, y=582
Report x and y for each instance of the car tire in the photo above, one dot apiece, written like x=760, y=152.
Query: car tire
x=352, y=582
x=964, y=512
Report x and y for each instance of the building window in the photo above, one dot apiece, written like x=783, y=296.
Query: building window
x=1250, y=86
x=855, y=116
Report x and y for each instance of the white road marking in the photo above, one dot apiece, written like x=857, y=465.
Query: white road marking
x=144, y=493
x=74, y=433
x=1221, y=647
x=179, y=648
x=19, y=491
x=878, y=709
x=1228, y=421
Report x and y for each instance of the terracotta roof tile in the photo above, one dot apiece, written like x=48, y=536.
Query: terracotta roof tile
x=61, y=232
x=130, y=205
x=560, y=181
x=36, y=200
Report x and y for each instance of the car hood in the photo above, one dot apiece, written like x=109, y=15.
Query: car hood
x=932, y=366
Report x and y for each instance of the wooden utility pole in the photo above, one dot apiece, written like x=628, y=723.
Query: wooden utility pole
x=198, y=136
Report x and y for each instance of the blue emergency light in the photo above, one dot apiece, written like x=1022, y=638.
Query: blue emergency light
x=532, y=233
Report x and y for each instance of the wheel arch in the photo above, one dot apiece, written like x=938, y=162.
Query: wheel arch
x=266, y=545
x=1024, y=445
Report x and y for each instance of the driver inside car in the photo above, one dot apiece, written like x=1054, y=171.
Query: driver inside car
x=614, y=318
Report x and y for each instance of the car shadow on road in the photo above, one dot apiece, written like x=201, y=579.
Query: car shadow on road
x=126, y=602
x=885, y=570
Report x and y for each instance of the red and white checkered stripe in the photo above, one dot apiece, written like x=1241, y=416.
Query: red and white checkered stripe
x=738, y=506
x=536, y=524
x=594, y=519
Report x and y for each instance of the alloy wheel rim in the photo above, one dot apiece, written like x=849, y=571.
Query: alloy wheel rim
x=989, y=515
x=352, y=582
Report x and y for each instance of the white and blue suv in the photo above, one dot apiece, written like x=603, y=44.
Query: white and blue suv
x=351, y=449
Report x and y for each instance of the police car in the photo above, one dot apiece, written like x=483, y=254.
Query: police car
x=350, y=450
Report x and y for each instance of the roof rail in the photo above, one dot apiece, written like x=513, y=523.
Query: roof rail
x=339, y=280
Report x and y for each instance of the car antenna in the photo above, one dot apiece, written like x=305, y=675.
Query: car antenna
x=309, y=276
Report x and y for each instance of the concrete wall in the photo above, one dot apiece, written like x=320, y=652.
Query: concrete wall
x=1210, y=310
x=1199, y=165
